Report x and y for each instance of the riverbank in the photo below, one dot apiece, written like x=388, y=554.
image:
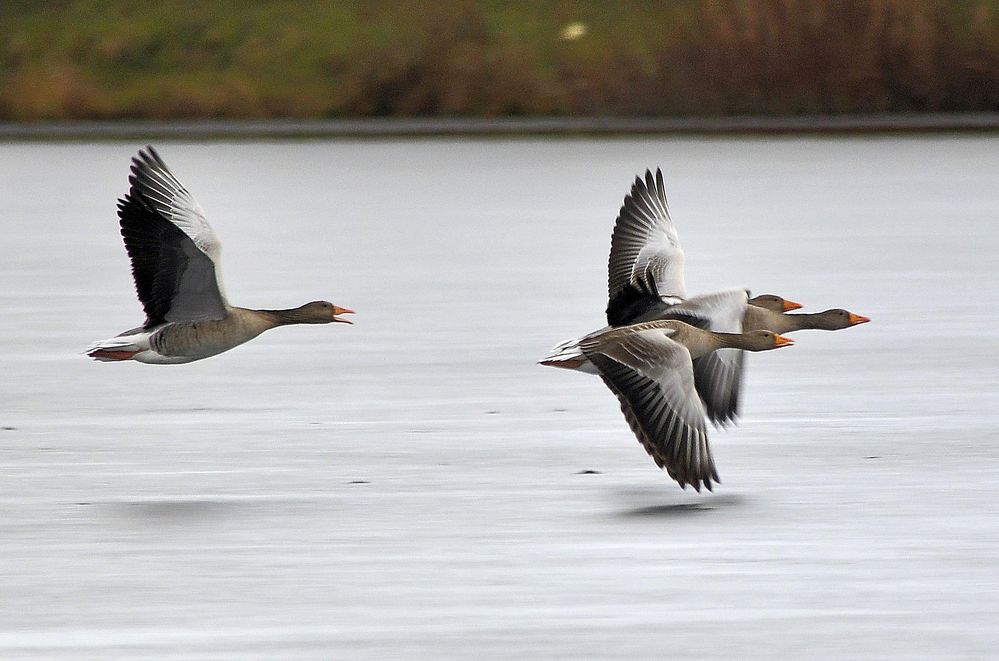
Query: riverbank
x=81, y=60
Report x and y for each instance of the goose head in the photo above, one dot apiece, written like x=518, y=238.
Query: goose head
x=774, y=303
x=837, y=319
x=321, y=312
x=763, y=340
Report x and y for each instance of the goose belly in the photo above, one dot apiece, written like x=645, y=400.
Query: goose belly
x=152, y=357
x=187, y=341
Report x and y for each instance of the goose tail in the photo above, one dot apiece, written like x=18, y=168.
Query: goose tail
x=112, y=350
x=568, y=355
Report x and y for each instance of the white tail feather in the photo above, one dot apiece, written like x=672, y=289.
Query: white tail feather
x=568, y=355
x=114, y=344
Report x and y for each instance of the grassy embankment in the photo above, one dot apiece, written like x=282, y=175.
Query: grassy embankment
x=119, y=58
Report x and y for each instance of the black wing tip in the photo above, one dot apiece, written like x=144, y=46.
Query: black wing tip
x=725, y=417
x=707, y=482
x=125, y=203
x=650, y=180
x=683, y=475
x=148, y=154
x=146, y=160
x=652, y=186
x=151, y=179
x=643, y=185
x=132, y=204
x=639, y=187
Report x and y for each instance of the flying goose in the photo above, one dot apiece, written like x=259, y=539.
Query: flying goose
x=723, y=310
x=649, y=367
x=646, y=282
x=175, y=265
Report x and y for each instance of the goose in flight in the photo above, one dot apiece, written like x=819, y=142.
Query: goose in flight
x=646, y=282
x=649, y=368
x=175, y=264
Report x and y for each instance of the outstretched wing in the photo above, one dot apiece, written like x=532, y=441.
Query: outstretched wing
x=173, y=250
x=651, y=376
x=152, y=181
x=646, y=260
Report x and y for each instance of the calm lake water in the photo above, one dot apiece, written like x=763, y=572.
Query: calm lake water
x=414, y=486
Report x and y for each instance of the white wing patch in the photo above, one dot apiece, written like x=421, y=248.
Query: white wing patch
x=722, y=310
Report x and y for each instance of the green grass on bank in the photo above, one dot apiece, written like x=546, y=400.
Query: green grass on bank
x=74, y=59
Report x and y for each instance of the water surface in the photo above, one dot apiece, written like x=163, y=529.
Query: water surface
x=414, y=486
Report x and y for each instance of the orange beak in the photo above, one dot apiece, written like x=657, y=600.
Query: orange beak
x=791, y=305
x=781, y=341
x=857, y=319
x=339, y=310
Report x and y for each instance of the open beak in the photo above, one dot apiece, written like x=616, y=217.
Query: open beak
x=781, y=341
x=339, y=310
x=857, y=319
x=791, y=305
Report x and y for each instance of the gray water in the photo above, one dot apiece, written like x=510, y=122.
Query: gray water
x=414, y=486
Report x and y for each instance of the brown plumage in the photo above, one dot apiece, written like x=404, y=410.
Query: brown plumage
x=646, y=282
x=649, y=368
x=175, y=259
x=757, y=318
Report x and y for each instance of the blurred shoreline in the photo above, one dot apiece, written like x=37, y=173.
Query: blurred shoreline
x=78, y=59
x=526, y=126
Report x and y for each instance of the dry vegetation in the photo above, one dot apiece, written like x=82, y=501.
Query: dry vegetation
x=118, y=58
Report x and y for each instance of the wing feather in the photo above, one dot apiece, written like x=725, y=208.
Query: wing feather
x=718, y=375
x=153, y=182
x=173, y=250
x=651, y=375
x=646, y=260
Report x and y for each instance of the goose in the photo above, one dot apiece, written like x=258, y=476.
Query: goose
x=649, y=368
x=721, y=309
x=645, y=269
x=175, y=264
x=646, y=282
